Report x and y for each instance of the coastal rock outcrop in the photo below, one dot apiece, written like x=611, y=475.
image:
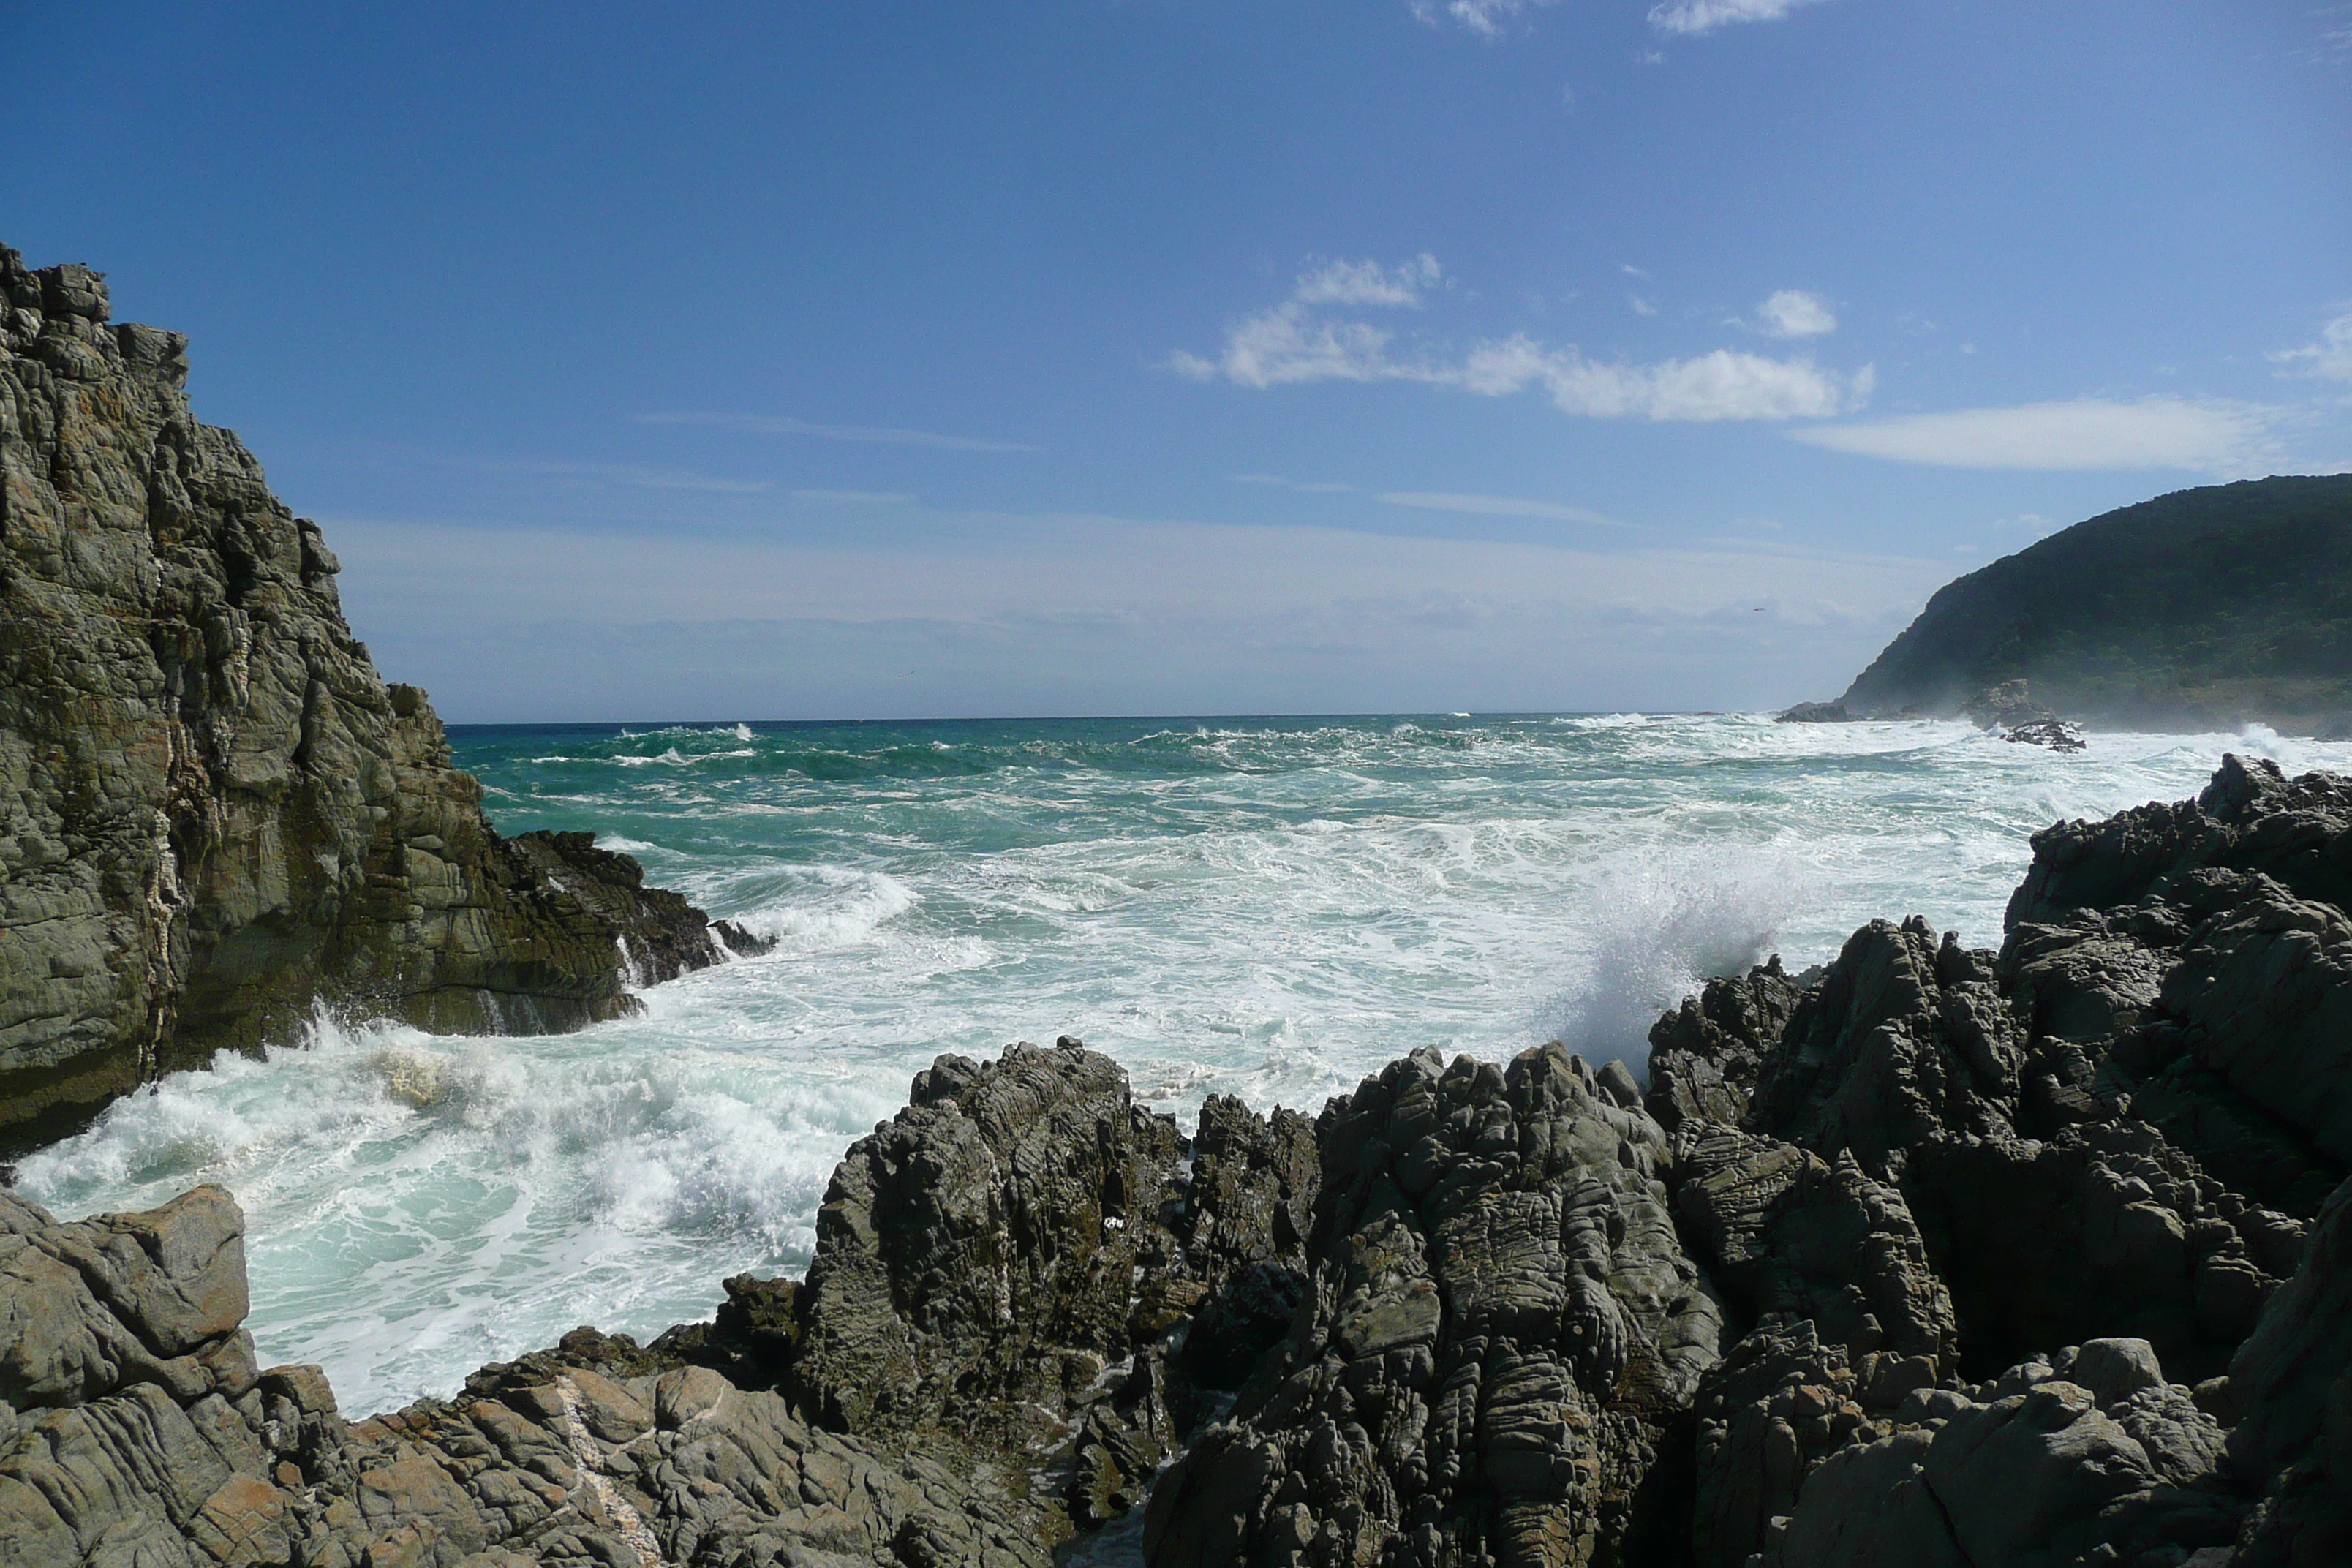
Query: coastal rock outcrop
x=1500, y=1343
x=215, y=816
x=977, y=1254
x=1935, y=1256
x=137, y=1431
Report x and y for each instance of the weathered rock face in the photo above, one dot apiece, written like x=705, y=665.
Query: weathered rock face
x=2114, y=1133
x=1500, y=1341
x=136, y=1430
x=215, y=817
x=976, y=1256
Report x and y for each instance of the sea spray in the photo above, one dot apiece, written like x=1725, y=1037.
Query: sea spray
x=1661, y=927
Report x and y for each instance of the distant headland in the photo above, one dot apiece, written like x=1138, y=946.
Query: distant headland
x=2203, y=609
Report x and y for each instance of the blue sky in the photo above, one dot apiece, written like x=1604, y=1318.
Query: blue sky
x=811, y=360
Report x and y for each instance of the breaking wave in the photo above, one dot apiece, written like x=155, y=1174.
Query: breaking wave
x=1262, y=908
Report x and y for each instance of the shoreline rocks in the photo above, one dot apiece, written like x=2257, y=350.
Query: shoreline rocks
x=1932, y=1256
x=215, y=817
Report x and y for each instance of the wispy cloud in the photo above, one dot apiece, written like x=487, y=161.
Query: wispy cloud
x=1289, y=345
x=1286, y=344
x=856, y=497
x=2330, y=355
x=1178, y=617
x=2334, y=44
x=1487, y=18
x=1641, y=307
x=777, y=425
x=1275, y=481
x=1694, y=16
x=1793, y=313
x=2087, y=433
x=1724, y=385
x=1498, y=506
x=1368, y=282
x=629, y=475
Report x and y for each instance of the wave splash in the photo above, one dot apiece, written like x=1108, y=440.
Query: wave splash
x=1662, y=929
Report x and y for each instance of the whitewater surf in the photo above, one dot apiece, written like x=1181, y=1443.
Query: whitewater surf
x=1264, y=908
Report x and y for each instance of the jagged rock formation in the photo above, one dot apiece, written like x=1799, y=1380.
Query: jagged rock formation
x=1500, y=1341
x=1934, y=1256
x=2116, y=1135
x=215, y=816
x=2202, y=609
x=137, y=1430
x=1016, y=1271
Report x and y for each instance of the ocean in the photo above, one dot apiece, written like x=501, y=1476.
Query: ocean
x=1272, y=908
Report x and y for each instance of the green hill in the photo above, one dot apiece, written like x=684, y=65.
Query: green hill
x=2212, y=606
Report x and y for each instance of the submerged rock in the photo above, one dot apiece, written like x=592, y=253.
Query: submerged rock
x=2055, y=734
x=215, y=817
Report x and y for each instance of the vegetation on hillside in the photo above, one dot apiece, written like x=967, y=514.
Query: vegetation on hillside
x=2219, y=606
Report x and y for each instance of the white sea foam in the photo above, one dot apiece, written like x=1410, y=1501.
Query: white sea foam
x=1660, y=928
x=1226, y=908
x=830, y=906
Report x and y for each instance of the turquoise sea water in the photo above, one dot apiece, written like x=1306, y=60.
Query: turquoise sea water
x=1271, y=907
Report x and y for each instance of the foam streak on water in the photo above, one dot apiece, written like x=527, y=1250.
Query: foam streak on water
x=1271, y=909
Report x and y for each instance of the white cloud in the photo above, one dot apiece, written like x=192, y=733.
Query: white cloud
x=1288, y=346
x=855, y=498
x=1793, y=313
x=1498, y=506
x=2087, y=433
x=2329, y=356
x=1707, y=16
x=1641, y=307
x=1725, y=385
x=1369, y=283
x=776, y=425
x=1485, y=17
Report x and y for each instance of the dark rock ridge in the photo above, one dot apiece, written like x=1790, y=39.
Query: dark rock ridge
x=2202, y=609
x=215, y=817
x=1934, y=1256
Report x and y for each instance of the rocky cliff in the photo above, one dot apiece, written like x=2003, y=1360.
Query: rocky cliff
x=2203, y=609
x=1945, y=1257
x=215, y=816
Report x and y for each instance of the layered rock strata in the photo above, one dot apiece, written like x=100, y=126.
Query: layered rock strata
x=215, y=817
x=1936, y=1255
